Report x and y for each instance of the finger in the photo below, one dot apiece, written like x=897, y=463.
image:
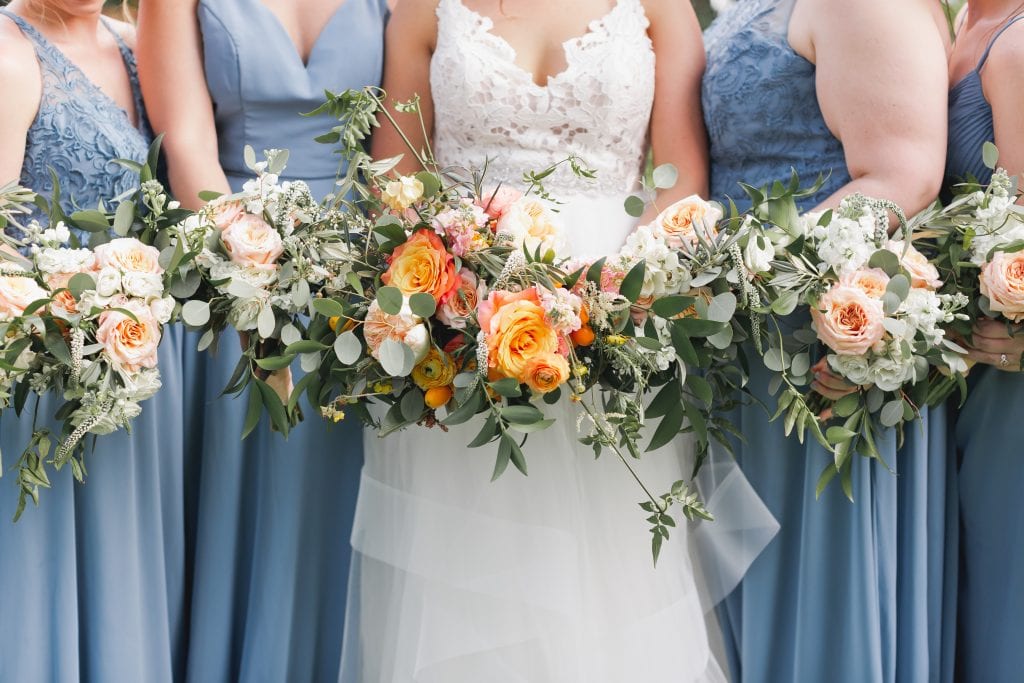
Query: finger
x=831, y=379
x=830, y=393
x=1005, y=345
x=995, y=329
x=1012, y=362
x=821, y=365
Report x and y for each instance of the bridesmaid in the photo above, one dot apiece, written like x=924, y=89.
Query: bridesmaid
x=92, y=581
x=984, y=106
x=272, y=518
x=855, y=91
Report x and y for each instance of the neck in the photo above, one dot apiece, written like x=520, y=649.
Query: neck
x=993, y=10
x=51, y=18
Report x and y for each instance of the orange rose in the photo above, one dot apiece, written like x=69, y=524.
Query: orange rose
x=517, y=331
x=546, y=372
x=422, y=265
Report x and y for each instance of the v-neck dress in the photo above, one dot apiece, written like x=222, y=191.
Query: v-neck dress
x=272, y=517
x=92, y=581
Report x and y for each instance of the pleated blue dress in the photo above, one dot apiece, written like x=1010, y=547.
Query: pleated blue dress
x=92, y=581
x=988, y=438
x=273, y=517
x=846, y=592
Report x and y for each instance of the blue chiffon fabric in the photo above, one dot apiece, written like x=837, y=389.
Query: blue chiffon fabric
x=991, y=475
x=272, y=516
x=846, y=592
x=92, y=582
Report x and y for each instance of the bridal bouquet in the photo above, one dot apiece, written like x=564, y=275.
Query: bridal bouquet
x=875, y=308
x=258, y=260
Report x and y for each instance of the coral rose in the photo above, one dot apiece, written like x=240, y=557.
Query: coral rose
x=422, y=265
x=871, y=281
x=128, y=255
x=458, y=304
x=251, y=241
x=1002, y=281
x=680, y=222
x=546, y=372
x=495, y=202
x=848, y=320
x=130, y=344
x=517, y=331
x=405, y=327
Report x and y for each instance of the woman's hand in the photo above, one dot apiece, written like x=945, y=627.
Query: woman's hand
x=829, y=384
x=992, y=344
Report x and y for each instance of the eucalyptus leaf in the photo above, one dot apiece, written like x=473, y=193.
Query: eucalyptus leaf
x=422, y=304
x=665, y=177
x=266, y=322
x=390, y=300
x=892, y=413
x=635, y=206
x=347, y=348
x=195, y=313
x=396, y=358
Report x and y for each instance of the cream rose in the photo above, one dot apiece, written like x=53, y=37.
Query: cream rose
x=922, y=272
x=400, y=194
x=849, y=321
x=128, y=255
x=251, y=241
x=16, y=293
x=1002, y=281
x=129, y=344
x=531, y=224
x=679, y=223
x=871, y=281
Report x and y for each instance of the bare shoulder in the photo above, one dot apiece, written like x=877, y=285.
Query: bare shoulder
x=1005, y=58
x=123, y=29
x=666, y=11
x=18, y=65
x=870, y=14
x=415, y=22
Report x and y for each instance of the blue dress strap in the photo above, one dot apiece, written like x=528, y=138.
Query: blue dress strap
x=984, y=56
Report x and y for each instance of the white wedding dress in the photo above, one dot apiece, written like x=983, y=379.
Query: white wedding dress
x=546, y=578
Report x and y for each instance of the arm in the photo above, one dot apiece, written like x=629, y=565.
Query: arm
x=409, y=44
x=677, y=120
x=174, y=85
x=19, y=74
x=882, y=85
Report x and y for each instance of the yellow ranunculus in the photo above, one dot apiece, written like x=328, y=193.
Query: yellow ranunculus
x=436, y=370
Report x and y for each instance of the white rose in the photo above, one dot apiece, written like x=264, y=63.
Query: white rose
x=889, y=374
x=143, y=285
x=418, y=339
x=143, y=385
x=108, y=282
x=162, y=309
x=245, y=313
x=758, y=254
x=532, y=225
x=854, y=368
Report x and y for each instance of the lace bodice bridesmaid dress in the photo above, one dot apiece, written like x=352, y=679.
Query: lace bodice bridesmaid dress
x=272, y=517
x=991, y=474
x=846, y=591
x=92, y=581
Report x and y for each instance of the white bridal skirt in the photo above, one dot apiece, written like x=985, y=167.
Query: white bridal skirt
x=539, y=579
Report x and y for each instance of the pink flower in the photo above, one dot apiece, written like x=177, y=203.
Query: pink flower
x=251, y=241
x=224, y=213
x=848, y=320
x=922, y=272
x=679, y=224
x=461, y=227
x=1002, y=281
x=495, y=202
x=128, y=255
x=871, y=281
x=458, y=304
x=130, y=344
x=405, y=327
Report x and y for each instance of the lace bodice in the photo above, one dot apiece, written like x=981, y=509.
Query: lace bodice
x=79, y=130
x=486, y=107
x=761, y=106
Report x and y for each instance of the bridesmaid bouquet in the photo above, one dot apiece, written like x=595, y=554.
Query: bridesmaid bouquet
x=257, y=260
x=874, y=305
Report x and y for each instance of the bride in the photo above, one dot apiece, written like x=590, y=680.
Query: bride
x=545, y=579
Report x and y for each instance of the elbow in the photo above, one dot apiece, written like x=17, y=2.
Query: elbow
x=913, y=186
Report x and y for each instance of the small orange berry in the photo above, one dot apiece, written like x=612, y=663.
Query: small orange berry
x=437, y=397
x=333, y=322
x=583, y=336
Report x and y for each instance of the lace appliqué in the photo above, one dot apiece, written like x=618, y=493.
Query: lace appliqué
x=488, y=108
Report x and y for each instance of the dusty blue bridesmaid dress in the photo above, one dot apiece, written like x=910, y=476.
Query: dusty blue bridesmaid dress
x=846, y=592
x=988, y=437
x=92, y=581
x=273, y=516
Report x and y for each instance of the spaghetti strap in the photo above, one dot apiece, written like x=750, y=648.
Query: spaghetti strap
x=984, y=57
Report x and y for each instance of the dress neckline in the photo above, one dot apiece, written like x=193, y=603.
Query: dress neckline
x=595, y=28
x=126, y=58
x=306, y=62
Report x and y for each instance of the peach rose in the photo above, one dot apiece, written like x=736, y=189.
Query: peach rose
x=922, y=272
x=65, y=301
x=848, y=320
x=422, y=265
x=459, y=303
x=871, y=281
x=405, y=327
x=251, y=241
x=679, y=223
x=128, y=255
x=224, y=213
x=546, y=372
x=130, y=344
x=1002, y=281
x=16, y=293
x=495, y=202
x=517, y=331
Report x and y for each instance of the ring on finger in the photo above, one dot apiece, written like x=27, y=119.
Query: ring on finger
x=1003, y=360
